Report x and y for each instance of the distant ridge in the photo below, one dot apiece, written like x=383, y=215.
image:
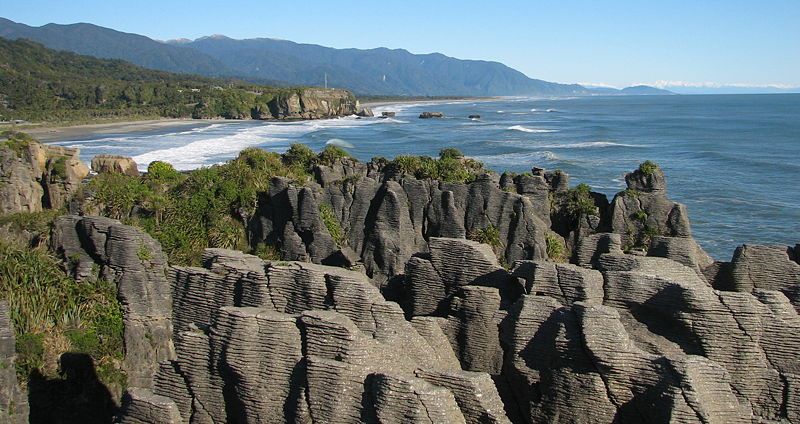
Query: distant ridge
x=378, y=71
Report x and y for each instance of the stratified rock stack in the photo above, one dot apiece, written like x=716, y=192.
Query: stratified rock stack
x=313, y=103
x=299, y=342
x=387, y=218
x=34, y=176
x=95, y=247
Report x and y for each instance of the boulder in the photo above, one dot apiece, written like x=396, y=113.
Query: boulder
x=388, y=114
x=114, y=164
x=365, y=112
x=474, y=117
x=427, y=115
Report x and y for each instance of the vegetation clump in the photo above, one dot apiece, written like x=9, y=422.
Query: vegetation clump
x=332, y=224
x=648, y=167
x=489, y=235
x=579, y=202
x=556, y=249
x=450, y=167
x=53, y=314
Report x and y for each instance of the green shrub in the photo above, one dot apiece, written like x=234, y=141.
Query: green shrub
x=331, y=154
x=332, y=224
x=118, y=193
x=46, y=306
x=648, y=167
x=299, y=155
x=450, y=153
x=579, y=202
x=489, y=235
x=162, y=172
x=58, y=167
x=640, y=215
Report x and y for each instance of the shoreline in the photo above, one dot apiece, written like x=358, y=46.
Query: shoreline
x=50, y=133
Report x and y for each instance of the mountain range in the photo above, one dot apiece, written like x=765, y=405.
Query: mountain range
x=378, y=71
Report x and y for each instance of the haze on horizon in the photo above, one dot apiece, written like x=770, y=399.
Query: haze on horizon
x=684, y=46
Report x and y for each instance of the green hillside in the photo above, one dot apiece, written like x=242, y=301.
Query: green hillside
x=39, y=84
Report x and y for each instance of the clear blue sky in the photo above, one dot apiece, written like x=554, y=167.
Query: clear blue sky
x=609, y=42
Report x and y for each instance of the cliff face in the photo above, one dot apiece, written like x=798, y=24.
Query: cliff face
x=312, y=103
x=35, y=176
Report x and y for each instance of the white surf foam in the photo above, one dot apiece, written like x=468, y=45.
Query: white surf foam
x=339, y=142
x=530, y=130
x=208, y=151
x=519, y=158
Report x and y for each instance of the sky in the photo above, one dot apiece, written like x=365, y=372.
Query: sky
x=691, y=44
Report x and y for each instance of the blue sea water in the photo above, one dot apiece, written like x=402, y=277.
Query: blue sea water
x=734, y=160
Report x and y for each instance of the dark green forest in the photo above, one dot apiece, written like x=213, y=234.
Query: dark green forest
x=39, y=84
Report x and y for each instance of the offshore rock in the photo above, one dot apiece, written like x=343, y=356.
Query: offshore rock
x=428, y=115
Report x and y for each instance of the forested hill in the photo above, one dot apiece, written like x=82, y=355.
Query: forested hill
x=39, y=84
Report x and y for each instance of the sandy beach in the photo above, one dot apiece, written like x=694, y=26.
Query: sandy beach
x=51, y=133
x=47, y=133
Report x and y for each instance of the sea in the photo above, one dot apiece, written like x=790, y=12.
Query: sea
x=734, y=160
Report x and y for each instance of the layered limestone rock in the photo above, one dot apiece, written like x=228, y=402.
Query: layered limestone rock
x=34, y=176
x=388, y=218
x=643, y=211
x=95, y=247
x=13, y=401
x=313, y=103
x=299, y=342
x=115, y=164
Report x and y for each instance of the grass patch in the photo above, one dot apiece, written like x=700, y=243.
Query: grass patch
x=332, y=224
x=556, y=249
x=648, y=167
x=53, y=314
x=450, y=167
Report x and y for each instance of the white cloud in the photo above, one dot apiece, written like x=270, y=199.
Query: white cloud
x=689, y=84
x=597, y=84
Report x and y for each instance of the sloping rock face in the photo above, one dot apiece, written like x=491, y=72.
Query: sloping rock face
x=95, y=247
x=34, y=176
x=388, y=218
x=282, y=342
x=314, y=103
x=13, y=402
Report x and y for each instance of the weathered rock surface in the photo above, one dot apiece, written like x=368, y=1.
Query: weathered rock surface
x=34, y=176
x=313, y=103
x=427, y=115
x=13, y=401
x=264, y=341
x=114, y=164
x=95, y=247
x=386, y=219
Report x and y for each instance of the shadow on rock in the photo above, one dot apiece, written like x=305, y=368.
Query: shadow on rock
x=77, y=397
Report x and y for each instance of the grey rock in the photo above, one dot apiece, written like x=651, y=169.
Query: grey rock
x=428, y=115
x=104, y=248
x=13, y=401
x=115, y=164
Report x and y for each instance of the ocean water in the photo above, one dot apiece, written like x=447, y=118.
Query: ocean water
x=734, y=160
